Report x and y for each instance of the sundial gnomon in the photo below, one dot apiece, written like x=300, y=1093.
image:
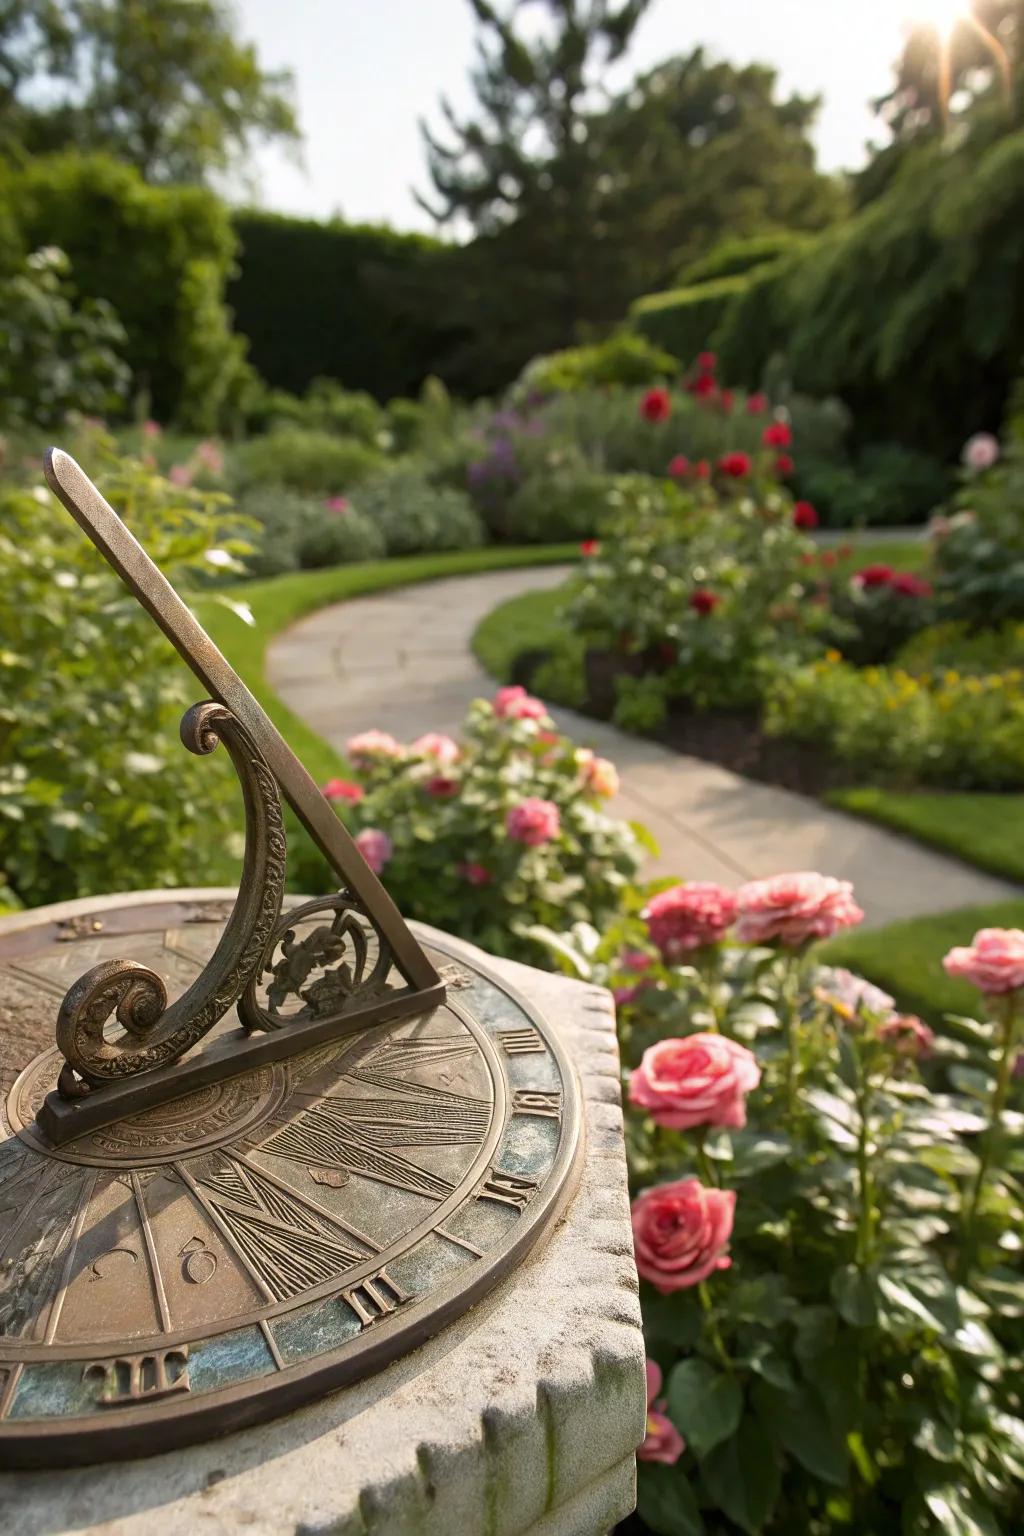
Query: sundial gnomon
x=274, y=1146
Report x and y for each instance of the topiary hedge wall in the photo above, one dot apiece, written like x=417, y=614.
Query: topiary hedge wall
x=160, y=255
x=686, y=321
x=347, y=301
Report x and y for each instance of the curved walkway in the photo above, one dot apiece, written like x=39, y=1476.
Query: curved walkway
x=401, y=660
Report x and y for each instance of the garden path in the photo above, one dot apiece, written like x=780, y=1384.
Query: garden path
x=401, y=661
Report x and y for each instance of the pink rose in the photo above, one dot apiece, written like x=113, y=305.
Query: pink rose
x=210, y=456
x=441, y=787
x=795, y=908
x=370, y=746
x=516, y=704
x=908, y=1036
x=599, y=776
x=375, y=846
x=338, y=504
x=343, y=789
x=475, y=874
x=994, y=961
x=438, y=746
x=981, y=451
x=533, y=822
x=662, y=1442
x=681, y=1233
x=180, y=475
x=702, y=1080
x=150, y=429
x=689, y=916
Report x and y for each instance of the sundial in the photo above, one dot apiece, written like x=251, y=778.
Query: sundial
x=253, y=1150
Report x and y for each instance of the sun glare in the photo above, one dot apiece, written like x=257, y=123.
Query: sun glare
x=942, y=14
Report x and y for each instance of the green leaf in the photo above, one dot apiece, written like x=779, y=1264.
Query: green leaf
x=901, y=1300
x=666, y=1502
x=705, y=1404
x=799, y=1420
x=753, y=1151
x=573, y=961
x=959, y=1512
x=644, y=838
x=855, y=1296
x=743, y=1478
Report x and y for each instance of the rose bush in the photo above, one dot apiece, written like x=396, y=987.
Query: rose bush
x=828, y=1218
x=492, y=834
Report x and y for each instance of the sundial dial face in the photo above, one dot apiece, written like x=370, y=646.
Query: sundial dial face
x=224, y=1256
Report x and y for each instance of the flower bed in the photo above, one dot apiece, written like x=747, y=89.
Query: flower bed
x=827, y=1219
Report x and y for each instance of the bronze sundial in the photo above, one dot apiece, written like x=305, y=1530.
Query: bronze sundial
x=255, y=1149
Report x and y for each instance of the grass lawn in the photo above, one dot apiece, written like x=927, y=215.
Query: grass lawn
x=280, y=601
x=984, y=829
x=901, y=554
x=906, y=958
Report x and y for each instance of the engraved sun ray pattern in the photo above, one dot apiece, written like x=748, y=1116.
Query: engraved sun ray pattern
x=356, y=1134
x=290, y=1244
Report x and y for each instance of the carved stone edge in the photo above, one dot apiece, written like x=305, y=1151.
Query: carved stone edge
x=557, y=1355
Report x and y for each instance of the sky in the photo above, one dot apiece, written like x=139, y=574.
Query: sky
x=366, y=71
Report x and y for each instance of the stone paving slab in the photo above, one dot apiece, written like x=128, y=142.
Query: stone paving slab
x=401, y=661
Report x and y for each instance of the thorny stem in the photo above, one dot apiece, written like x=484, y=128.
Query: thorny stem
x=996, y=1106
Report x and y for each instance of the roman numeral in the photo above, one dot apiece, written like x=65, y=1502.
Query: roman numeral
x=375, y=1297
x=507, y=1189
x=137, y=1378
x=520, y=1042
x=527, y=1101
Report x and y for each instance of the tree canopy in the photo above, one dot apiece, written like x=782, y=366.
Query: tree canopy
x=165, y=85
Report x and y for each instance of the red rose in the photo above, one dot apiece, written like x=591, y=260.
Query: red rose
x=804, y=515
x=707, y=362
x=702, y=469
x=441, y=787
x=757, y=405
x=828, y=559
x=909, y=585
x=777, y=435
x=689, y=916
x=704, y=602
x=785, y=464
x=875, y=576
x=656, y=405
x=702, y=1080
x=679, y=467
x=736, y=465
x=343, y=789
x=475, y=874
x=590, y=547
x=704, y=387
x=726, y=400
x=681, y=1233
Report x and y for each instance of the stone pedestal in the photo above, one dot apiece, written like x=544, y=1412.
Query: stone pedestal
x=522, y=1416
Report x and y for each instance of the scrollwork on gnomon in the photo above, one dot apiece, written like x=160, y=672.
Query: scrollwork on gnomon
x=153, y=1033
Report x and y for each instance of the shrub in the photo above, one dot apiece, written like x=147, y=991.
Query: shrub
x=707, y=584
x=415, y=516
x=306, y=532
x=825, y=1217
x=949, y=730
x=685, y=320
x=978, y=552
x=735, y=256
x=304, y=461
x=96, y=792
x=889, y=486
x=550, y=509
x=57, y=354
x=159, y=255
x=621, y=359
x=953, y=647
x=876, y=611
x=490, y=835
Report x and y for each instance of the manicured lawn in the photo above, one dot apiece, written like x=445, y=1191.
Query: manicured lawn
x=276, y=603
x=901, y=554
x=985, y=830
x=906, y=958
x=525, y=623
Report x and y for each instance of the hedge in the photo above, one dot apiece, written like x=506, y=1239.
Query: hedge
x=685, y=321
x=347, y=301
x=912, y=311
x=160, y=255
